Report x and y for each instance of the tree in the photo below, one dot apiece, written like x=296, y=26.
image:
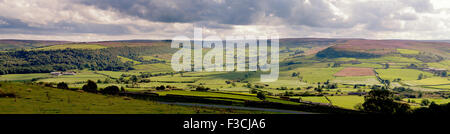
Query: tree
x=420, y=76
x=112, y=90
x=425, y=102
x=62, y=85
x=162, y=87
x=381, y=101
x=134, y=78
x=261, y=96
x=91, y=86
x=202, y=88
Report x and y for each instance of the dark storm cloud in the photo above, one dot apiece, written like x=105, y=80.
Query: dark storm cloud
x=316, y=13
x=168, y=17
x=229, y=12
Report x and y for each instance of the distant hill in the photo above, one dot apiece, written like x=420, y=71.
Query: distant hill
x=364, y=48
x=337, y=47
x=132, y=43
x=15, y=44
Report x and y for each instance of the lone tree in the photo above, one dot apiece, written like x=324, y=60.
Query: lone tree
x=112, y=90
x=382, y=101
x=261, y=96
x=420, y=77
x=162, y=87
x=62, y=85
x=91, y=86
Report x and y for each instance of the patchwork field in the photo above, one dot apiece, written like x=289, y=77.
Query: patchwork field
x=347, y=102
x=351, y=71
x=404, y=74
x=429, y=81
x=78, y=78
x=303, y=74
x=407, y=51
x=369, y=80
x=152, y=68
x=314, y=75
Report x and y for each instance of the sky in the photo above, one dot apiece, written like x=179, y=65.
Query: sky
x=97, y=20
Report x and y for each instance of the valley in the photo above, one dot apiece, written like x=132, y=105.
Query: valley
x=316, y=75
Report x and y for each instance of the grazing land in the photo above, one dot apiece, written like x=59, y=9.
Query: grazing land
x=350, y=71
x=32, y=99
x=329, y=73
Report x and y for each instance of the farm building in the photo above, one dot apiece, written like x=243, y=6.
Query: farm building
x=63, y=73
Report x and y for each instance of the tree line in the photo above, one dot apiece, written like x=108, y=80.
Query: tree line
x=23, y=61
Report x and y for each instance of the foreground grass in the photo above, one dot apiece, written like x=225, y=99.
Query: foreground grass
x=236, y=96
x=32, y=99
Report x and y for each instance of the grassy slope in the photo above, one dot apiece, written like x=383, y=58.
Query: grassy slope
x=33, y=100
x=22, y=77
x=79, y=77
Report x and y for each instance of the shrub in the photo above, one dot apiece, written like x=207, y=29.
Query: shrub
x=425, y=102
x=112, y=90
x=261, y=96
x=202, y=88
x=48, y=84
x=62, y=85
x=162, y=87
x=91, y=86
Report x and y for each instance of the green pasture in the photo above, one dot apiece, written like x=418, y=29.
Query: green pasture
x=404, y=74
x=23, y=77
x=78, y=78
x=43, y=100
x=407, y=51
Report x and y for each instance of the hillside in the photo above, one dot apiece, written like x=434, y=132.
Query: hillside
x=20, y=98
x=384, y=47
x=17, y=44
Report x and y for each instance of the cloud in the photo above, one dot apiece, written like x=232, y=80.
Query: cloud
x=405, y=19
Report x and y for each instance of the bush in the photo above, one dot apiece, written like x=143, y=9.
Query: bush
x=202, y=88
x=91, y=86
x=48, y=84
x=162, y=87
x=112, y=90
x=62, y=85
x=261, y=96
x=425, y=102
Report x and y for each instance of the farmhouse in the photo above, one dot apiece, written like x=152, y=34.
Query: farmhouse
x=63, y=73
x=56, y=73
x=69, y=73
